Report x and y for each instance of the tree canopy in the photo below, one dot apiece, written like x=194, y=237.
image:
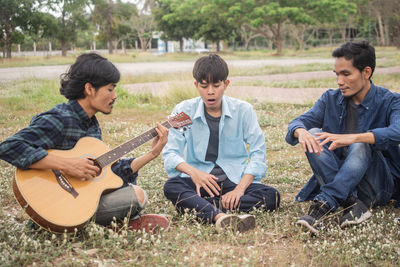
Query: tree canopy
x=277, y=23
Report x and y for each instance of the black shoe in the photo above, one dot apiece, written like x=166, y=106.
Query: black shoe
x=355, y=212
x=317, y=210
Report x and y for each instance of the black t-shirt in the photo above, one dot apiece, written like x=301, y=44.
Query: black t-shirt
x=351, y=117
x=213, y=143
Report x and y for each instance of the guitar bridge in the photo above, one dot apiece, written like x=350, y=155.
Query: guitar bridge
x=64, y=183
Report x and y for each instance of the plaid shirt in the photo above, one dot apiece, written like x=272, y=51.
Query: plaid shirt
x=59, y=128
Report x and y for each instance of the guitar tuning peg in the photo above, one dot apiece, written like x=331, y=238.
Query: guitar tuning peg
x=173, y=114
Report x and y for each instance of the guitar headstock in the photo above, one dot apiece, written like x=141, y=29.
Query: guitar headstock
x=180, y=121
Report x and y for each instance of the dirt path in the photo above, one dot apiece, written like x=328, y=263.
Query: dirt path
x=137, y=68
x=276, y=95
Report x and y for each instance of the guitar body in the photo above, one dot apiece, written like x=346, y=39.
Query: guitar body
x=51, y=206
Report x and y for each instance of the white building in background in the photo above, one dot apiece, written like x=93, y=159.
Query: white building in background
x=189, y=45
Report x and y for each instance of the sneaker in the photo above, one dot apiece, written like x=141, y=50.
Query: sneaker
x=316, y=211
x=355, y=212
x=246, y=222
x=241, y=223
x=149, y=223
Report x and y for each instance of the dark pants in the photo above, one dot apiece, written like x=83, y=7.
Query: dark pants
x=182, y=193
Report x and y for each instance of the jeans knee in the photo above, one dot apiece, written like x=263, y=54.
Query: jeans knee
x=169, y=185
x=313, y=131
x=275, y=200
x=141, y=195
x=360, y=148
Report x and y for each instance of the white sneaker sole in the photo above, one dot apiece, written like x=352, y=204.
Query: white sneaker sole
x=308, y=226
x=365, y=216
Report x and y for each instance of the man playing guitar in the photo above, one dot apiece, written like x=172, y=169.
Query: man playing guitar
x=89, y=85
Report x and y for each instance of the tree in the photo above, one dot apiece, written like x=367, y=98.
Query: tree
x=214, y=25
x=144, y=23
x=175, y=19
x=272, y=15
x=72, y=19
x=239, y=14
x=15, y=16
x=43, y=25
x=331, y=14
x=383, y=17
x=113, y=19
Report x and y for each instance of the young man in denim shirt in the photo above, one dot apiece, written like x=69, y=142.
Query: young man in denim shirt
x=351, y=138
x=210, y=168
x=89, y=85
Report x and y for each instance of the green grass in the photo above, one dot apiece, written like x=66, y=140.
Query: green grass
x=388, y=55
x=275, y=241
x=390, y=81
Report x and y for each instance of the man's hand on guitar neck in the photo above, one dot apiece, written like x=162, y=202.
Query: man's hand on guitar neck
x=160, y=140
x=157, y=146
x=80, y=168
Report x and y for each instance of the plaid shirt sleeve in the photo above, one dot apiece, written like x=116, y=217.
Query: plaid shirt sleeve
x=29, y=144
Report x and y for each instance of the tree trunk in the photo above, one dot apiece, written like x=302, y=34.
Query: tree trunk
x=8, y=42
x=143, y=44
x=181, y=45
x=218, y=45
x=64, y=48
x=247, y=43
x=123, y=46
x=110, y=46
x=330, y=36
x=8, y=49
x=381, y=29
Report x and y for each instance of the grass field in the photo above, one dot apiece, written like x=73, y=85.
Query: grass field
x=276, y=241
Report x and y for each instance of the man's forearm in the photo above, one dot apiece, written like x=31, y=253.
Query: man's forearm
x=367, y=138
x=139, y=162
x=244, y=183
x=185, y=168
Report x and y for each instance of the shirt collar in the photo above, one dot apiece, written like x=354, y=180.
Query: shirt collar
x=80, y=111
x=368, y=98
x=200, y=110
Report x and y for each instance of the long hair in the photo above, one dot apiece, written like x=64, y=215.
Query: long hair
x=88, y=68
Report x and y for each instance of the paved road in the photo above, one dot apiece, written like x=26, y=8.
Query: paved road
x=9, y=74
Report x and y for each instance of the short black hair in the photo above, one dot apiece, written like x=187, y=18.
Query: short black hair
x=361, y=53
x=211, y=68
x=88, y=68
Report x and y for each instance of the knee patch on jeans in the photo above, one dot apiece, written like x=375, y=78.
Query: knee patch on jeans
x=142, y=204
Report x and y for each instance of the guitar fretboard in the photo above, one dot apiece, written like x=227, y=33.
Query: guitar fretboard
x=127, y=147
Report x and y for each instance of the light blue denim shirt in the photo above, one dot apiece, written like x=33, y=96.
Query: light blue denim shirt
x=237, y=129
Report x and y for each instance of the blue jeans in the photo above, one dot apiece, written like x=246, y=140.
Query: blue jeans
x=356, y=173
x=182, y=192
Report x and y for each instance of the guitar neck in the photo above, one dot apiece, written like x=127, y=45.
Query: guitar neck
x=127, y=147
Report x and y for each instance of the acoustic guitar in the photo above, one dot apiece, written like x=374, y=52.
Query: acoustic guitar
x=59, y=203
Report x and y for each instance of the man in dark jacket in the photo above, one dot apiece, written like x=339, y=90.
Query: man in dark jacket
x=351, y=138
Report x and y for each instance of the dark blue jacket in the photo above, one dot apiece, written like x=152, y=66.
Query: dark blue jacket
x=378, y=113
